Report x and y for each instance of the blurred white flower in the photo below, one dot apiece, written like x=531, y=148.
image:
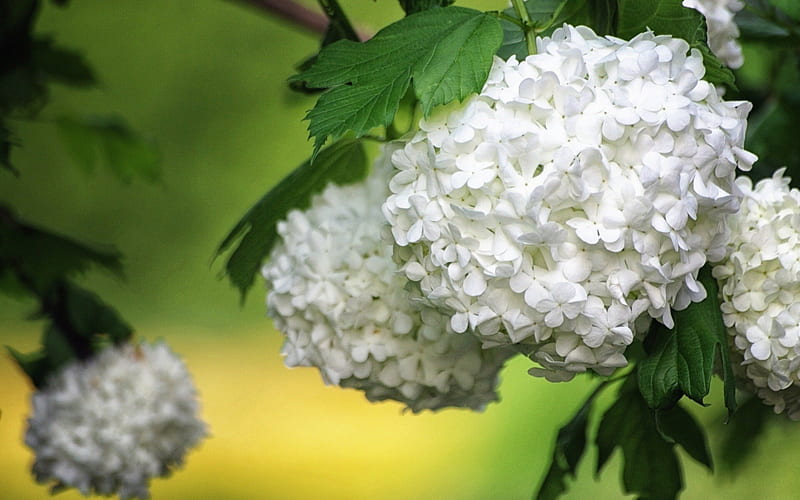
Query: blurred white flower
x=722, y=30
x=583, y=188
x=760, y=289
x=110, y=424
x=341, y=301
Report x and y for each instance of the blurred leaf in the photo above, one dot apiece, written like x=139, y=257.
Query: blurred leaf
x=743, y=433
x=681, y=360
x=87, y=315
x=35, y=365
x=57, y=349
x=414, y=6
x=61, y=64
x=254, y=235
x=5, y=149
x=569, y=448
x=36, y=258
x=651, y=468
x=448, y=51
x=788, y=8
x=680, y=427
x=109, y=140
x=755, y=27
x=546, y=16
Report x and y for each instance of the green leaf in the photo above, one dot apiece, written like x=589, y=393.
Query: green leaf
x=651, y=468
x=57, y=348
x=569, y=447
x=254, y=235
x=670, y=17
x=61, y=64
x=109, y=140
x=35, y=365
x=788, y=8
x=447, y=51
x=681, y=360
x=546, y=16
x=88, y=316
x=6, y=143
x=771, y=134
x=680, y=427
x=743, y=433
x=36, y=258
x=605, y=16
x=414, y=6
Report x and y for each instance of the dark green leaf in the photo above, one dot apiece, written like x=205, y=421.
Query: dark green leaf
x=546, y=16
x=88, y=316
x=755, y=27
x=743, y=433
x=254, y=235
x=681, y=360
x=414, y=6
x=109, y=140
x=569, y=448
x=604, y=15
x=771, y=134
x=716, y=72
x=34, y=365
x=448, y=52
x=58, y=350
x=35, y=258
x=61, y=64
x=664, y=17
x=788, y=8
x=651, y=468
x=681, y=428
x=6, y=143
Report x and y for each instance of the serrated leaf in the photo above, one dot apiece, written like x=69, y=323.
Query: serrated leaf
x=447, y=52
x=110, y=141
x=716, y=72
x=36, y=258
x=569, y=447
x=650, y=464
x=254, y=235
x=414, y=6
x=681, y=360
x=680, y=427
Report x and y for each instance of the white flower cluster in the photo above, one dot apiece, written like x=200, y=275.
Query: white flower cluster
x=111, y=423
x=722, y=30
x=580, y=191
x=760, y=288
x=338, y=297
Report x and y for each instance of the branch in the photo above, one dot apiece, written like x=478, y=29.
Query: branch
x=290, y=10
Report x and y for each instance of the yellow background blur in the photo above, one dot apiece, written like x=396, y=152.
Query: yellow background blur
x=207, y=79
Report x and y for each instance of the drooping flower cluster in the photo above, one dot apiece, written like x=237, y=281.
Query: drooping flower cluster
x=341, y=302
x=722, y=30
x=760, y=288
x=110, y=424
x=580, y=191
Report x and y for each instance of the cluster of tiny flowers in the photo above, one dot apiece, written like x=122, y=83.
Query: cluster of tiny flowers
x=760, y=289
x=109, y=424
x=722, y=30
x=579, y=192
x=340, y=300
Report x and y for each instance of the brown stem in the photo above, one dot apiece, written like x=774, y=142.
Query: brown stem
x=292, y=11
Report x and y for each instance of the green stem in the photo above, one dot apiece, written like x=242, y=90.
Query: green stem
x=527, y=25
x=505, y=17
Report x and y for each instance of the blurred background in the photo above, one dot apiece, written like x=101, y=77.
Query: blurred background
x=207, y=79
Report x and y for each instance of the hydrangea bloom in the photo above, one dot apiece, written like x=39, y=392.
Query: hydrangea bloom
x=110, y=424
x=722, y=30
x=340, y=300
x=582, y=189
x=760, y=288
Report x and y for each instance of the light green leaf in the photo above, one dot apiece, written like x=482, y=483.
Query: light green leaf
x=109, y=140
x=446, y=52
x=651, y=468
x=252, y=238
x=681, y=361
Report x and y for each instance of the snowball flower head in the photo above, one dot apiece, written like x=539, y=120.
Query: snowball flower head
x=109, y=424
x=722, y=30
x=338, y=297
x=760, y=288
x=579, y=192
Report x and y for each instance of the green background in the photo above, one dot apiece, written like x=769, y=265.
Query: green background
x=207, y=80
